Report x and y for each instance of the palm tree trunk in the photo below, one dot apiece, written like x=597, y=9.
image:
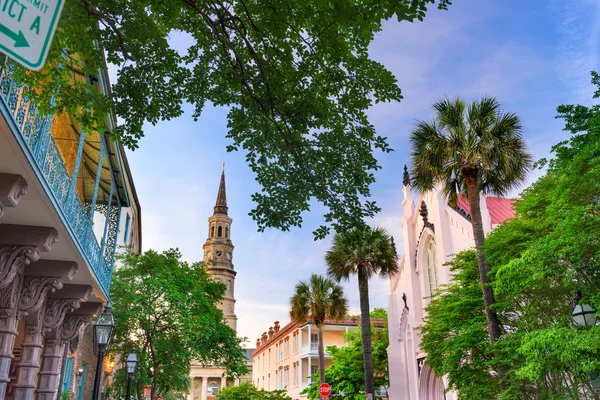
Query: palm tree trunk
x=321, y=354
x=493, y=324
x=365, y=323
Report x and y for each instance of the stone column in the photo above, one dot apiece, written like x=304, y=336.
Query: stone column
x=204, y=388
x=48, y=317
x=51, y=359
x=223, y=383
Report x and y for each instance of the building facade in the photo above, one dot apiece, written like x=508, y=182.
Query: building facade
x=65, y=199
x=286, y=358
x=218, y=260
x=433, y=232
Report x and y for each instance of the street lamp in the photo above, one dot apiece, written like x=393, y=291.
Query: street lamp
x=584, y=314
x=131, y=363
x=103, y=331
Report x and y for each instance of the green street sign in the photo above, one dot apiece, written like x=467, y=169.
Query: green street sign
x=27, y=28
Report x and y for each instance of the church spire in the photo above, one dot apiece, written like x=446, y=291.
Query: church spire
x=221, y=204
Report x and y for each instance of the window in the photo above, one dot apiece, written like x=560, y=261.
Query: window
x=258, y=361
x=269, y=382
x=67, y=375
x=286, y=377
x=430, y=261
x=314, y=341
x=276, y=352
x=280, y=379
x=269, y=357
x=220, y=231
x=212, y=231
x=280, y=351
x=263, y=365
x=213, y=388
x=313, y=369
x=295, y=344
x=125, y=238
x=295, y=372
x=81, y=387
x=263, y=383
x=227, y=232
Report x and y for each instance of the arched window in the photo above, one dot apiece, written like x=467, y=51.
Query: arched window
x=227, y=232
x=213, y=388
x=430, y=261
x=212, y=231
x=220, y=231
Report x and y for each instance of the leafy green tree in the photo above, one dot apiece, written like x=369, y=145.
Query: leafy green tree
x=345, y=374
x=317, y=300
x=295, y=76
x=539, y=261
x=168, y=311
x=363, y=252
x=471, y=149
x=247, y=391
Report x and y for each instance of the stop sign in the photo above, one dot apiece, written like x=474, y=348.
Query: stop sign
x=325, y=389
x=159, y=397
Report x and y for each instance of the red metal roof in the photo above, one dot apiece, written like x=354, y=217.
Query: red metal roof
x=500, y=208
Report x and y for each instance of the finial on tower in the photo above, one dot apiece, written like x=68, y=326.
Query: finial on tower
x=406, y=177
x=223, y=167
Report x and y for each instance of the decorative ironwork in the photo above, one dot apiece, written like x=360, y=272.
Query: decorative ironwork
x=34, y=127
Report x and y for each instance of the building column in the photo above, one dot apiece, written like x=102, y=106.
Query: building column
x=309, y=368
x=236, y=382
x=223, y=383
x=49, y=317
x=51, y=359
x=204, y=388
x=19, y=246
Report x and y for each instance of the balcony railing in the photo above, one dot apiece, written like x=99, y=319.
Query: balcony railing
x=34, y=129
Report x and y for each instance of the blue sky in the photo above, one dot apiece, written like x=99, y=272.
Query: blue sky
x=532, y=55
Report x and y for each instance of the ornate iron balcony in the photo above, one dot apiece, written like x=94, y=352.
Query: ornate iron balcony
x=34, y=128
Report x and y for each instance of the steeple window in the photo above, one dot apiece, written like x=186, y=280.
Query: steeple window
x=220, y=231
x=227, y=232
x=212, y=231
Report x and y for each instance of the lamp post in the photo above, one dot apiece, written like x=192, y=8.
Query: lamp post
x=103, y=331
x=131, y=363
x=584, y=314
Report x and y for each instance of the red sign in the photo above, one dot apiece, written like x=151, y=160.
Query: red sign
x=325, y=389
x=147, y=391
x=159, y=397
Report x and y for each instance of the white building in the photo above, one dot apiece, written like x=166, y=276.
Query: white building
x=433, y=232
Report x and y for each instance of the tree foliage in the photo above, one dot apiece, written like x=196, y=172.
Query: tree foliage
x=167, y=310
x=316, y=300
x=539, y=260
x=295, y=76
x=345, y=374
x=247, y=391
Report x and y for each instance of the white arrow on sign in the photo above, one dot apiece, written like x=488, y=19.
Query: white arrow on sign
x=27, y=28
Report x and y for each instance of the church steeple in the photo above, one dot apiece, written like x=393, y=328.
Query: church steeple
x=218, y=253
x=221, y=204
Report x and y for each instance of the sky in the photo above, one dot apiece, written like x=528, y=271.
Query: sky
x=532, y=55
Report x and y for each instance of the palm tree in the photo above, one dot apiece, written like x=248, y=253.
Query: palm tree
x=317, y=300
x=363, y=252
x=471, y=149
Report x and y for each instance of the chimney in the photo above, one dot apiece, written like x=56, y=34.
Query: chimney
x=257, y=343
x=264, y=337
x=271, y=332
x=276, y=326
